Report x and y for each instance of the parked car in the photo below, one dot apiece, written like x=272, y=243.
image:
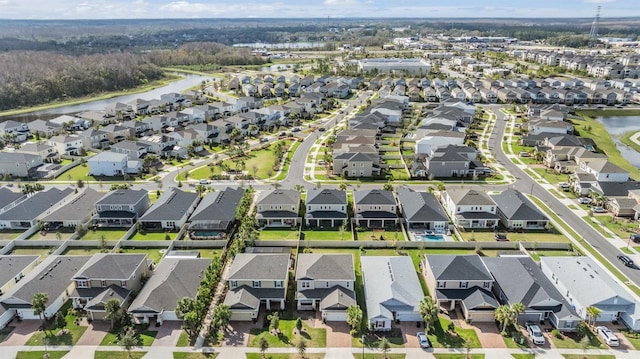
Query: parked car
x=563, y=185
x=321, y=163
x=295, y=129
x=607, y=336
x=204, y=181
x=501, y=237
x=585, y=200
x=635, y=237
x=626, y=260
x=283, y=133
x=322, y=129
x=524, y=154
x=264, y=139
x=598, y=210
x=535, y=334
x=423, y=340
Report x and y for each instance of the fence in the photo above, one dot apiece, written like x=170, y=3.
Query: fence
x=65, y=168
x=418, y=245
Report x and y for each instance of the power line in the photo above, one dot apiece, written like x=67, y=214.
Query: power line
x=593, y=34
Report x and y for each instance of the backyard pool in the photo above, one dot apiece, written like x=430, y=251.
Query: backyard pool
x=429, y=237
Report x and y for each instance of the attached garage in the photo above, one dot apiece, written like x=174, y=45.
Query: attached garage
x=481, y=316
x=244, y=315
x=334, y=316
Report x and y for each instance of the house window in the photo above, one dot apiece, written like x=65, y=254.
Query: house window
x=305, y=285
x=464, y=284
x=103, y=283
x=256, y=284
x=278, y=284
x=234, y=284
x=442, y=284
x=123, y=283
x=326, y=284
x=82, y=284
x=486, y=285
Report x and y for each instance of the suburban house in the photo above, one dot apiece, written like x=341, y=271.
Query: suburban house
x=375, y=209
x=66, y=144
x=585, y=284
x=461, y=280
x=469, y=208
x=392, y=291
x=53, y=277
x=326, y=282
x=171, y=210
x=516, y=211
x=77, y=211
x=520, y=280
x=109, y=164
x=172, y=280
x=421, y=210
x=15, y=267
x=9, y=199
x=454, y=161
x=107, y=276
x=121, y=208
x=26, y=213
x=325, y=208
x=256, y=278
x=134, y=150
x=604, y=170
x=278, y=208
x=17, y=164
x=46, y=152
x=216, y=213
x=356, y=164
x=14, y=130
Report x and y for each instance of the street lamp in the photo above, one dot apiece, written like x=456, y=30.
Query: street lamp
x=362, y=339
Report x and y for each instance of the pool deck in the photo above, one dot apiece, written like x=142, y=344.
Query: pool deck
x=413, y=235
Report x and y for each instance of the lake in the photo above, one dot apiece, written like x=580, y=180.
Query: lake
x=188, y=81
x=617, y=126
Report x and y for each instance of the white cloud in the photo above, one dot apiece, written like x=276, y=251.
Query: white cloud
x=599, y=1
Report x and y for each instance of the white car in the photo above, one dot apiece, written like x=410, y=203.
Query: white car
x=535, y=334
x=607, y=336
x=563, y=185
x=423, y=340
x=598, y=210
x=584, y=200
x=204, y=181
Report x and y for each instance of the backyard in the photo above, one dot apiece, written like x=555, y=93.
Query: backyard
x=153, y=236
x=278, y=234
x=326, y=235
x=531, y=236
x=155, y=254
x=104, y=233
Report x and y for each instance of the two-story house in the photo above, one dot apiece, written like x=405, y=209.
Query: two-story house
x=171, y=210
x=14, y=130
x=215, y=214
x=375, y=209
x=47, y=152
x=107, y=276
x=604, y=170
x=134, y=150
x=108, y=164
x=325, y=282
x=422, y=211
x=469, y=208
x=278, y=208
x=325, y=208
x=461, y=281
x=17, y=164
x=121, y=208
x=66, y=144
x=516, y=211
x=93, y=138
x=255, y=279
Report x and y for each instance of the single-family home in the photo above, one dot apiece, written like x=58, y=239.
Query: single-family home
x=470, y=208
x=108, y=164
x=14, y=130
x=392, y=291
x=421, y=210
x=17, y=164
x=171, y=210
x=215, y=214
x=325, y=208
x=25, y=214
x=47, y=152
x=9, y=198
x=14, y=268
x=93, y=138
x=516, y=211
x=172, y=280
x=375, y=209
x=326, y=282
x=278, y=208
x=254, y=279
x=121, y=208
x=604, y=170
x=77, y=211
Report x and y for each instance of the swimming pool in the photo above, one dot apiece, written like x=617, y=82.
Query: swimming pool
x=430, y=237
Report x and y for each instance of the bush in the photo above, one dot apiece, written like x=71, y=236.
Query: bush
x=556, y=333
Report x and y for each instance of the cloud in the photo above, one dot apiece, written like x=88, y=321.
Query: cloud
x=599, y=1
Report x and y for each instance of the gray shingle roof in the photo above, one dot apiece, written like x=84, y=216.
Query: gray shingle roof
x=17, y=157
x=7, y=196
x=259, y=266
x=420, y=206
x=108, y=156
x=76, y=209
x=123, y=196
x=458, y=267
x=326, y=196
x=243, y=297
x=280, y=196
x=517, y=207
x=469, y=197
x=12, y=266
x=173, y=279
x=218, y=206
x=373, y=196
x=111, y=266
x=35, y=205
x=337, y=267
x=171, y=205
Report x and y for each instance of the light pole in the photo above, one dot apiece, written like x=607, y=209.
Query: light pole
x=362, y=339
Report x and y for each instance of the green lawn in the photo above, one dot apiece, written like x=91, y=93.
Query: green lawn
x=523, y=356
x=31, y=251
x=535, y=255
x=284, y=356
x=441, y=337
x=571, y=342
x=74, y=331
x=10, y=234
x=621, y=227
x=82, y=251
x=327, y=235
x=51, y=235
x=210, y=253
x=381, y=356
x=108, y=234
x=287, y=162
x=278, y=234
x=633, y=338
x=146, y=338
x=598, y=228
x=187, y=355
x=531, y=236
x=40, y=354
x=588, y=356
x=626, y=139
x=315, y=337
x=152, y=253
x=458, y=356
x=183, y=340
x=550, y=176
x=118, y=355
x=153, y=236
x=79, y=172
x=385, y=235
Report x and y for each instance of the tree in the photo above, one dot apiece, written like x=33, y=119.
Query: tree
x=584, y=344
x=221, y=316
x=129, y=340
x=342, y=186
x=264, y=346
x=184, y=306
x=191, y=323
x=429, y=311
x=515, y=310
x=39, y=304
x=387, y=187
x=385, y=346
x=301, y=346
x=299, y=325
x=354, y=318
x=112, y=311
x=274, y=322
x=502, y=316
x=59, y=321
x=593, y=313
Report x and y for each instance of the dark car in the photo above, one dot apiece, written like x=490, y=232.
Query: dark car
x=322, y=129
x=625, y=260
x=501, y=237
x=635, y=237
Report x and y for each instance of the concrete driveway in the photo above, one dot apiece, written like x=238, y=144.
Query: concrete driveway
x=338, y=335
x=489, y=335
x=168, y=334
x=95, y=332
x=22, y=332
x=237, y=334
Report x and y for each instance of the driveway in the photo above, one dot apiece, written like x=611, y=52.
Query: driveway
x=338, y=335
x=22, y=332
x=489, y=335
x=168, y=334
x=96, y=330
x=237, y=334
x=409, y=330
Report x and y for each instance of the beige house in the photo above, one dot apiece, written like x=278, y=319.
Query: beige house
x=279, y=208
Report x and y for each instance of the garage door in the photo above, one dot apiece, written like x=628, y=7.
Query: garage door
x=242, y=316
x=482, y=316
x=336, y=316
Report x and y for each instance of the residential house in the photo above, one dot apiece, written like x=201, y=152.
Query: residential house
x=520, y=280
x=604, y=170
x=421, y=210
x=66, y=144
x=14, y=130
x=326, y=282
x=9, y=199
x=26, y=213
x=517, y=212
x=170, y=211
x=325, y=208
x=51, y=277
x=454, y=161
x=77, y=211
x=172, y=280
x=392, y=291
x=215, y=214
x=47, y=152
x=134, y=150
x=139, y=128
x=469, y=208
x=278, y=208
x=92, y=138
x=461, y=281
x=116, y=133
x=14, y=268
x=108, y=164
x=375, y=209
x=107, y=276
x=357, y=164
x=44, y=129
x=559, y=127
x=584, y=284
x=621, y=206
x=15, y=164
x=256, y=278
x=121, y=208
x=207, y=133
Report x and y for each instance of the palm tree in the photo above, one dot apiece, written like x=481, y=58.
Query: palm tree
x=221, y=316
x=502, y=315
x=429, y=311
x=129, y=340
x=302, y=347
x=39, y=304
x=112, y=311
x=516, y=309
x=593, y=313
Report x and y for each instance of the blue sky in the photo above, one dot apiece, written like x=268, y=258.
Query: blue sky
x=108, y=9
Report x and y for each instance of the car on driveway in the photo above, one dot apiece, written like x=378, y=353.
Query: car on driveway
x=626, y=260
x=535, y=334
x=598, y=210
x=423, y=340
x=608, y=336
x=563, y=185
x=584, y=200
x=635, y=237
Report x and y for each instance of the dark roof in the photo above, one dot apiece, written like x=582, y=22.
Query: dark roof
x=618, y=189
x=124, y=196
x=7, y=196
x=457, y=267
x=173, y=279
x=171, y=205
x=420, y=206
x=337, y=267
x=326, y=196
x=76, y=209
x=12, y=266
x=111, y=266
x=376, y=215
x=325, y=215
x=473, y=298
x=259, y=267
x=280, y=196
x=218, y=206
x=517, y=207
x=373, y=196
x=35, y=205
x=113, y=291
x=469, y=197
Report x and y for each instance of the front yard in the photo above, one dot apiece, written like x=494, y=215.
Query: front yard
x=441, y=337
x=67, y=335
x=145, y=338
x=315, y=337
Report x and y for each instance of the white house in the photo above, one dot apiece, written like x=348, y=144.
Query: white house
x=435, y=140
x=108, y=164
x=470, y=208
x=604, y=170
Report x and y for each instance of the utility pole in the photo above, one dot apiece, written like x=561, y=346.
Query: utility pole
x=593, y=34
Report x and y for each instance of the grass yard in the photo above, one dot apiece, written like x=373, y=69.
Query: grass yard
x=572, y=342
x=54, y=335
x=315, y=337
x=633, y=338
x=118, y=355
x=152, y=253
x=550, y=176
x=532, y=236
x=326, y=235
x=82, y=251
x=381, y=356
x=441, y=337
x=621, y=227
x=80, y=172
x=384, y=235
x=523, y=356
x=10, y=234
x=284, y=356
x=153, y=236
x=31, y=251
x=108, y=234
x=40, y=354
x=183, y=340
x=278, y=234
x=287, y=162
x=187, y=355
x=588, y=356
x=598, y=228
x=458, y=356
x=145, y=337
x=535, y=255
x=51, y=235
x=626, y=139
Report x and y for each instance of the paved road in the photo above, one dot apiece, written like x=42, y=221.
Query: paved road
x=526, y=184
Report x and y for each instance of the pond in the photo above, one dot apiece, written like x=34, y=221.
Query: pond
x=617, y=126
